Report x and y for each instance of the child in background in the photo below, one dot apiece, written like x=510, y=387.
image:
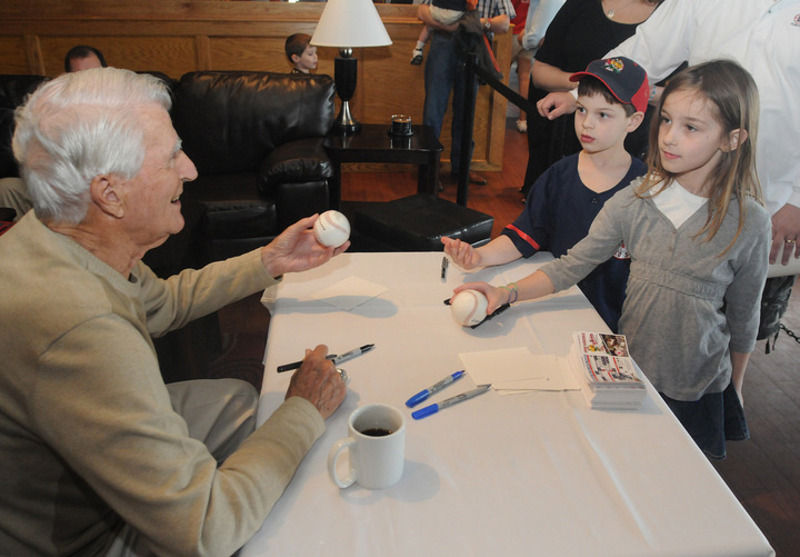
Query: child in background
x=699, y=238
x=446, y=12
x=612, y=98
x=300, y=53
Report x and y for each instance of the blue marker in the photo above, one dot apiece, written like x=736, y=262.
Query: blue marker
x=433, y=408
x=435, y=388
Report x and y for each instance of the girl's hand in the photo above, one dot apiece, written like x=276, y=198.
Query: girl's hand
x=462, y=254
x=495, y=296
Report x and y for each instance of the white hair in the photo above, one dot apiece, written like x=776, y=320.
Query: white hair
x=78, y=126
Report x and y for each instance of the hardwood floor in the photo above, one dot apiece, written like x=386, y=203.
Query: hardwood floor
x=763, y=472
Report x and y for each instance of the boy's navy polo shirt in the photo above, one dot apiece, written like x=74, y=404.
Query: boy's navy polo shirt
x=558, y=213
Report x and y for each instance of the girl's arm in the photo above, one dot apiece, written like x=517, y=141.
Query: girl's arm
x=497, y=252
x=550, y=78
x=739, y=361
x=531, y=287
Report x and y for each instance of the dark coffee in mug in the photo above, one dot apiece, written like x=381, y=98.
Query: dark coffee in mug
x=376, y=432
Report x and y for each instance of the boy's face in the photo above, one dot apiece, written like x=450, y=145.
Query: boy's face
x=307, y=61
x=601, y=125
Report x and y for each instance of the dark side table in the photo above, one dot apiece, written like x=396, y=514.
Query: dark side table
x=374, y=144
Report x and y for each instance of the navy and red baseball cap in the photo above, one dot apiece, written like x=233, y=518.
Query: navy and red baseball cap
x=623, y=77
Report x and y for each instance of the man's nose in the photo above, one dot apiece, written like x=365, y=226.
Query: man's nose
x=187, y=170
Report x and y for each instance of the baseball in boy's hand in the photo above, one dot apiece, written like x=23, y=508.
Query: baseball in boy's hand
x=468, y=307
x=332, y=229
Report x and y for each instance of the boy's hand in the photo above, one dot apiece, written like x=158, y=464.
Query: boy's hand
x=462, y=254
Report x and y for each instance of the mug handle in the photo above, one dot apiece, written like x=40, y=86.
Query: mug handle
x=333, y=458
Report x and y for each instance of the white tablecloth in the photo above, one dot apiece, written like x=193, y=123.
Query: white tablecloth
x=531, y=474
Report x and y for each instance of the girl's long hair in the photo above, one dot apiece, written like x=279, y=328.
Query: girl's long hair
x=734, y=96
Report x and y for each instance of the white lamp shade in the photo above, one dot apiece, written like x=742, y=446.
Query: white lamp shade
x=349, y=24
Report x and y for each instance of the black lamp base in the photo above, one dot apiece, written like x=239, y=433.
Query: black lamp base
x=346, y=72
x=345, y=123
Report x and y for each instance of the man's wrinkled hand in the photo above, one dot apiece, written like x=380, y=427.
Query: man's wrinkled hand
x=318, y=382
x=296, y=249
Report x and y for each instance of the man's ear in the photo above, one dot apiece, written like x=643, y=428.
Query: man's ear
x=735, y=138
x=634, y=121
x=106, y=193
x=295, y=58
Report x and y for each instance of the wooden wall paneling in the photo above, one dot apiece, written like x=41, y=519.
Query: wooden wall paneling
x=11, y=50
x=263, y=54
x=175, y=36
x=33, y=54
x=172, y=55
x=202, y=52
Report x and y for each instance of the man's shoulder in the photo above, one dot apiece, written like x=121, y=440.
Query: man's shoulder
x=46, y=284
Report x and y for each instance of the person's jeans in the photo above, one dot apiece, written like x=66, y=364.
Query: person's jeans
x=444, y=72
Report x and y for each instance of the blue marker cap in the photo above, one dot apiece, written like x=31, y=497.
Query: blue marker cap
x=417, y=398
x=427, y=411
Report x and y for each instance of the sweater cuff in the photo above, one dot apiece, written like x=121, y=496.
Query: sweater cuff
x=309, y=412
x=253, y=259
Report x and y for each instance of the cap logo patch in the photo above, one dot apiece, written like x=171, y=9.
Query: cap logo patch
x=613, y=65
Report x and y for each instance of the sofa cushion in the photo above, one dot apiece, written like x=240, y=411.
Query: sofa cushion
x=234, y=207
x=229, y=121
x=418, y=222
x=303, y=160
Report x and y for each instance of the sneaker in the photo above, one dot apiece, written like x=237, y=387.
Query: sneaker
x=522, y=126
x=416, y=57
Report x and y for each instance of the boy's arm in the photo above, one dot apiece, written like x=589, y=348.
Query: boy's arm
x=497, y=252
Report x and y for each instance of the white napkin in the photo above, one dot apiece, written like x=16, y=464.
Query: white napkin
x=517, y=369
x=350, y=293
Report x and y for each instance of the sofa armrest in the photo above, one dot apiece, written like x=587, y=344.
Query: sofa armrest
x=301, y=160
x=297, y=200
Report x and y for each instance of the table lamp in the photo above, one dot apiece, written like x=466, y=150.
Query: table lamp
x=346, y=24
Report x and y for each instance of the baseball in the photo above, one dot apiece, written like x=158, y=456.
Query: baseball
x=332, y=229
x=469, y=307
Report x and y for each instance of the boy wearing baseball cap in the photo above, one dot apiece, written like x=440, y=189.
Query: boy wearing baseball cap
x=561, y=205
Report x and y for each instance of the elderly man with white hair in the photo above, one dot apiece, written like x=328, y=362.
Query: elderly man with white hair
x=101, y=457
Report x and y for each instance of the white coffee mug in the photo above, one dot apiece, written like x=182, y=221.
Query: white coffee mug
x=376, y=444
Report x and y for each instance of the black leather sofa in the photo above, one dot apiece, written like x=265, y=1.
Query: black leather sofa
x=256, y=139
x=13, y=90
